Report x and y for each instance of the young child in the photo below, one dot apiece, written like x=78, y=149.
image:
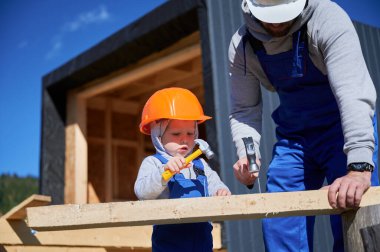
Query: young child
x=171, y=117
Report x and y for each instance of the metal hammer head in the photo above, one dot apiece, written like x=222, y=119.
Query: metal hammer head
x=205, y=148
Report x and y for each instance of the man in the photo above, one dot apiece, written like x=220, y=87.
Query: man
x=309, y=53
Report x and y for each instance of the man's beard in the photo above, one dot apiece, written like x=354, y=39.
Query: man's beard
x=278, y=30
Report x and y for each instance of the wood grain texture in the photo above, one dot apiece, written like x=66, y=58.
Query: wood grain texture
x=19, y=211
x=354, y=222
x=135, y=213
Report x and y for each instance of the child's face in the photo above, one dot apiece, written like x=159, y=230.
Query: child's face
x=178, y=138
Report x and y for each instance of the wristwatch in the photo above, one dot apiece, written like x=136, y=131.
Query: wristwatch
x=360, y=167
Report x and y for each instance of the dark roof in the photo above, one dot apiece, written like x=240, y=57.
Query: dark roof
x=151, y=33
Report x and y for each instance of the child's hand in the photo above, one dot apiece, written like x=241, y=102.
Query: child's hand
x=175, y=164
x=222, y=192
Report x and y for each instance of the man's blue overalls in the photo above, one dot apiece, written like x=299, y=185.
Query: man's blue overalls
x=191, y=237
x=310, y=141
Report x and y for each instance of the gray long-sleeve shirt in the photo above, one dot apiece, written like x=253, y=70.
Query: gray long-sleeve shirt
x=149, y=183
x=334, y=49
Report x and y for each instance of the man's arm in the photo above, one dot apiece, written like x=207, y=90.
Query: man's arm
x=246, y=106
x=356, y=97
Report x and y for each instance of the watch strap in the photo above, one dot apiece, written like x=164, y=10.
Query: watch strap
x=360, y=167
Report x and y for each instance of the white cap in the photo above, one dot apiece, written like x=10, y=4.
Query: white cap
x=276, y=11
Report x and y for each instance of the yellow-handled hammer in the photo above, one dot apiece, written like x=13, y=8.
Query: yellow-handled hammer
x=203, y=148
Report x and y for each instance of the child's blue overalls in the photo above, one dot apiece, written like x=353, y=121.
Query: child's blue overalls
x=310, y=141
x=189, y=237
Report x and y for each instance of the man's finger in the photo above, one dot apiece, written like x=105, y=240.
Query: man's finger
x=331, y=195
x=237, y=174
x=235, y=167
x=242, y=174
x=342, y=195
x=358, y=196
x=350, y=195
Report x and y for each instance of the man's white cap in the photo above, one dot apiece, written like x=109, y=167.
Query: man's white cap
x=276, y=11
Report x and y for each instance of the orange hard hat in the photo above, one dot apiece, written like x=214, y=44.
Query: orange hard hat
x=171, y=103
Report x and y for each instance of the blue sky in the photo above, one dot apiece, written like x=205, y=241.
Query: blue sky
x=36, y=37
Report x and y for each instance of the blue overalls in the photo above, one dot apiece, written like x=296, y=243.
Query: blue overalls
x=309, y=141
x=189, y=237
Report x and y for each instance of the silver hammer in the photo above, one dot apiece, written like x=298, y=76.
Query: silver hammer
x=203, y=148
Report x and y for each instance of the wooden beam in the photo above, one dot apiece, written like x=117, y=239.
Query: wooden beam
x=169, y=211
x=191, y=82
x=67, y=249
x=108, y=152
x=356, y=223
x=18, y=233
x=76, y=165
x=19, y=211
x=118, y=105
x=115, y=142
x=49, y=249
x=171, y=75
x=371, y=238
x=167, y=77
x=171, y=60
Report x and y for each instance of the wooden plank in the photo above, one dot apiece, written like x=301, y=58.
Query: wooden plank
x=108, y=152
x=115, y=175
x=127, y=107
x=168, y=61
x=66, y=249
x=191, y=82
x=49, y=249
x=18, y=233
x=371, y=238
x=76, y=151
x=115, y=142
x=92, y=195
x=118, y=105
x=134, y=213
x=356, y=221
x=167, y=77
x=19, y=212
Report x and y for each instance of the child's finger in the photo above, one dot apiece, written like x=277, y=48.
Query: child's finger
x=173, y=167
x=178, y=162
x=222, y=192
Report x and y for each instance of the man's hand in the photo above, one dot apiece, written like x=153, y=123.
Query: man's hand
x=242, y=173
x=347, y=191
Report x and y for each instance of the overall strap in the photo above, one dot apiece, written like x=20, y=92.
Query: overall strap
x=298, y=46
x=198, y=167
x=161, y=158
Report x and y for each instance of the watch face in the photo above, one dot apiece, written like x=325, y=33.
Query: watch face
x=361, y=167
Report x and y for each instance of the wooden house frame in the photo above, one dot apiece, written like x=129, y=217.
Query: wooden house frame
x=91, y=147
x=97, y=98
x=86, y=158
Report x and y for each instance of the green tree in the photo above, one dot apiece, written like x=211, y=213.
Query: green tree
x=14, y=189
